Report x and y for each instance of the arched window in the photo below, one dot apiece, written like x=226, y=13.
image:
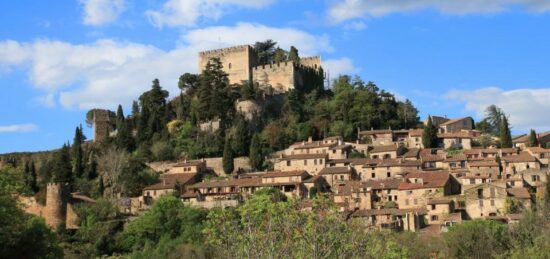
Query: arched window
x=229, y=66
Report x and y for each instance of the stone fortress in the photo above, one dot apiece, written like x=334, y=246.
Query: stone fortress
x=241, y=64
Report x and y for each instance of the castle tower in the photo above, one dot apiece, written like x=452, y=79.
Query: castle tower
x=237, y=61
x=57, y=195
x=102, y=125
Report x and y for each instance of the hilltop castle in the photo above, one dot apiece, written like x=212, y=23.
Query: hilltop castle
x=241, y=64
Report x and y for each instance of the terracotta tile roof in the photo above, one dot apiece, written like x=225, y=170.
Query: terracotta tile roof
x=81, y=197
x=431, y=158
x=519, y=192
x=189, y=195
x=538, y=150
x=461, y=134
x=348, y=187
x=388, y=148
x=416, y=132
x=473, y=151
x=336, y=170
x=509, y=150
x=244, y=182
x=455, y=158
x=519, y=158
x=303, y=156
x=453, y=121
x=412, y=152
x=355, y=161
x=399, y=163
x=525, y=137
x=429, y=180
x=285, y=173
x=390, y=183
x=312, y=179
x=343, y=146
x=483, y=163
x=168, y=181
x=315, y=144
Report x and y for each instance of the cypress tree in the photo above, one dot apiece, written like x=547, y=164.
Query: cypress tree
x=256, y=157
x=429, y=136
x=293, y=55
x=77, y=152
x=505, y=135
x=62, y=168
x=533, y=140
x=240, y=138
x=34, y=181
x=228, y=156
x=119, y=117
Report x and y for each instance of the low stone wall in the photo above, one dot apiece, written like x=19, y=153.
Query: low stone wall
x=214, y=204
x=215, y=164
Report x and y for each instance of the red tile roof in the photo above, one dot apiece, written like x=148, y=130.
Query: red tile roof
x=168, y=181
x=429, y=180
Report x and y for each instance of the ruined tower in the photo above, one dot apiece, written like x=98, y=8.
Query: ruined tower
x=237, y=61
x=102, y=124
x=57, y=195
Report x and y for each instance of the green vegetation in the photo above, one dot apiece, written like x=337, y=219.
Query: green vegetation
x=429, y=135
x=533, y=140
x=505, y=135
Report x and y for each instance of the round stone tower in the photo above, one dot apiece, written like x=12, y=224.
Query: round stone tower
x=56, y=204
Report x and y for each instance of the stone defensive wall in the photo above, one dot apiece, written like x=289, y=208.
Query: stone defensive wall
x=280, y=76
x=312, y=62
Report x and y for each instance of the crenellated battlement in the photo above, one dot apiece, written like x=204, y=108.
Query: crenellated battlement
x=222, y=51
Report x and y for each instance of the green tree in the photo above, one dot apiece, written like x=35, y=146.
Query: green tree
x=188, y=83
x=533, y=140
x=168, y=217
x=228, y=157
x=293, y=55
x=280, y=55
x=214, y=93
x=62, y=168
x=153, y=109
x=265, y=51
x=493, y=116
x=477, y=239
x=240, y=137
x=505, y=135
x=256, y=155
x=78, y=153
x=429, y=135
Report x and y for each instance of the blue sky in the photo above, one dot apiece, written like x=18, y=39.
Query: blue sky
x=60, y=58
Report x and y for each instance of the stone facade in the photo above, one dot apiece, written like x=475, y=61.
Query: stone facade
x=241, y=64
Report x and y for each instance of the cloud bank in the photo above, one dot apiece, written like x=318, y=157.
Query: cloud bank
x=101, y=12
x=527, y=108
x=108, y=72
x=349, y=9
x=18, y=128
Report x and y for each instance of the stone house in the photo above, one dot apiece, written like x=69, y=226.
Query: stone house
x=542, y=154
x=312, y=163
x=392, y=219
x=513, y=164
x=411, y=154
x=377, y=137
x=167, y=185
x=415, y=138
x=456, y=125
x=389, y=168
x=454, y=162
x=522, y=142
x=351, y=195
x=457, y=140
x=383, y=191
x=191, y=166
x=418, y=188
x=438, y=210
x=431, y=162
x=335, y=175
x=484, y=166
x=386, y=152
x=487, y=199
x=290, y=183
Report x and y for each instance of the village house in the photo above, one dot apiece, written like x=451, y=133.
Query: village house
x=312, y=163
x=522, y=141
x=392, y=219
x=454, y=162
x=389, y=168
x=484, y=166
x=351, y=195
x=431, y=162
x=456, y=125
x=513, y=164
x=383, y=192
x=335, y=175
x=542, y=154
x=489, y=199
x=221, y=193
x=377, y=137
x=477, y=178
x=290, y=183
x=191, y=166
x=536, y=180
x=439, y=210
x=386, y=152
x=415, y=138
x=456, y=140
x=167, y=185
x=417, y=188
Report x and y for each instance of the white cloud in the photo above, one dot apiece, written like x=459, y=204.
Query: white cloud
x=106, y=73
x=356, y=25
x=18, y=128
x=188, y=12
x=101, y=12
x=341, y=66
x=526, y=107
x=348, y=9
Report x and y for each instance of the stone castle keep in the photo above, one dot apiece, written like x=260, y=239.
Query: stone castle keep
x=241, y=64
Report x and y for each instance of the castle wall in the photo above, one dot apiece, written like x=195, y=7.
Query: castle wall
x=280, y=76
x=237, y=61
x=56, y=204
x=313, y=62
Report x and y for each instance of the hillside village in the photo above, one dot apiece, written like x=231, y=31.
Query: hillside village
x=397, y=185
x=259, y=119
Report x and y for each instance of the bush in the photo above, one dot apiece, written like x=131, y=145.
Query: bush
x=162, y=151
